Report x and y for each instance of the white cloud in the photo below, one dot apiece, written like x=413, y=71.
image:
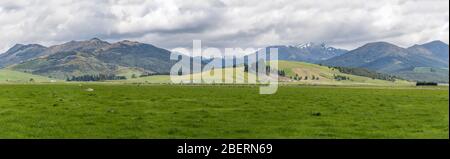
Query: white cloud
x=227, y=23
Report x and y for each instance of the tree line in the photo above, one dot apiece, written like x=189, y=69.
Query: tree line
x=152, y=74
x=421, y=83
x=299, y=78
x=280, y=72
x=340, y=77
x=99, y=77
x=365, y=72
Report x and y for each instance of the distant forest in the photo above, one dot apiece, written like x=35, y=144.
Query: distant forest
x=100, y=77
x=366, y=73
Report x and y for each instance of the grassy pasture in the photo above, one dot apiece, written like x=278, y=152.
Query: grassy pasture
x=9, y=76
x=176, y=111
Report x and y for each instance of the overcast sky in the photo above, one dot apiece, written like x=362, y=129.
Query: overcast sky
x=225, y=23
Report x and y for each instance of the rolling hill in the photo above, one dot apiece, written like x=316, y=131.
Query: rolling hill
x=328, y=75
x=310, y=74
x=10, y=76
x=322, y=75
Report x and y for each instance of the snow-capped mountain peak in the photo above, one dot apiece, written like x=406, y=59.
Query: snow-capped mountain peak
x=313, y=45
x=305, y=45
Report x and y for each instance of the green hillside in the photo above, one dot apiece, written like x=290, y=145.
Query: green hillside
x=327, y=75
x=206, y=75
x=427, y=74
x=149, y=79
x=322, y=75
x=10, y=76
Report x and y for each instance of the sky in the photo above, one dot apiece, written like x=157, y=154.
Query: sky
x=224, y=23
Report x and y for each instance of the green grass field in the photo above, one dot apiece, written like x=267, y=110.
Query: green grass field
x=9, y=76
x=175, y=111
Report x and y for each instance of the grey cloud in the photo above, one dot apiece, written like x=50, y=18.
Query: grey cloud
x=224, y=23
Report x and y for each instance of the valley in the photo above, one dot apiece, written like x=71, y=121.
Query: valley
x=357, y=94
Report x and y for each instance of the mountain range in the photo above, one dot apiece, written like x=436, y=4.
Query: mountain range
x=93, y=56
x=20, y=53
x=425, y=62
x=307, y=52
x=409, y=63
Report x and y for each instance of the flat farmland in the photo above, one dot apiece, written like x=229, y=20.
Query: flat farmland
x=188, y=111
